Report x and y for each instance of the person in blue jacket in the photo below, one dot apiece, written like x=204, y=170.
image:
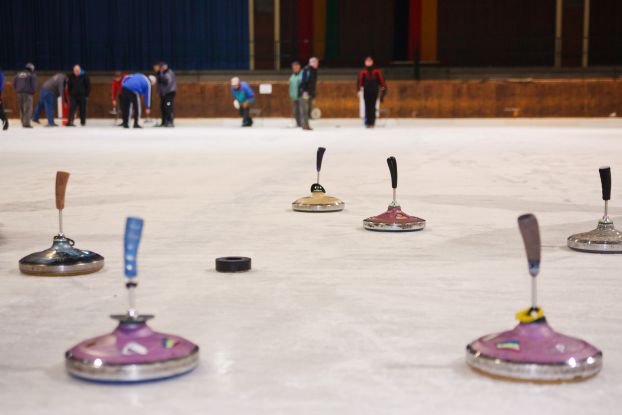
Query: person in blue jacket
x=132, y=87
x=49, y=92
x=244, y=97
x=3, y=118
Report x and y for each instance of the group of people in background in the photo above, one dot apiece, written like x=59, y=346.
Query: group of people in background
x=128, y=89
x=75, y=88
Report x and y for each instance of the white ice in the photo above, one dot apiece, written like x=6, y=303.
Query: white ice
x=333, y=319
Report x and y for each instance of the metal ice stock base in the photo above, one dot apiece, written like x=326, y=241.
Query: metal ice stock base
x=605, y=239
x=394, y=220
x=133, y=352
x=61, y=260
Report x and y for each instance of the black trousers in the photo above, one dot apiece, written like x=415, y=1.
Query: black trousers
x=245, y=112
x=167, y=102
x=75, y=103
x=370, y=108
x=129, y=99
x=2, y=113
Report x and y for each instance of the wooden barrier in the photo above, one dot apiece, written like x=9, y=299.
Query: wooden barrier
x=405, y=99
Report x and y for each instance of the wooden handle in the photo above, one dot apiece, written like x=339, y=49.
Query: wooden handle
x=530, y=231
x=62, y=177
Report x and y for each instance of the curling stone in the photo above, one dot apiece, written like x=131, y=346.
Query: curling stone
x=133, y=352
x=394, y=219
x=318, y=201
x=605, y=239
x=62, y=258
x=533, y=351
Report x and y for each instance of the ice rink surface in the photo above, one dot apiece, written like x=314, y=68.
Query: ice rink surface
x=332, y=319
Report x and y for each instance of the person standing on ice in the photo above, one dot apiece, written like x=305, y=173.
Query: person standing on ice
x=132, y=87
x=243, y=98
x=167, y=89
x=116, y=91
x=49, y=92
x=24, y=84
x=371, y=84
x=79, y=87
x=294, y=86
x=307, y=92
x=3, y=118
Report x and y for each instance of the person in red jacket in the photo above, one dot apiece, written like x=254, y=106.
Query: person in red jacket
x=116, y=91
x=371, y=84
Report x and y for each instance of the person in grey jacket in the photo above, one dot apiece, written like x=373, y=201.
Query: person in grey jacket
x=167, y=89
x=50, y=91
x=24, y=84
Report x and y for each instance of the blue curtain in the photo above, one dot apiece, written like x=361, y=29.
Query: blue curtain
x=124, y=34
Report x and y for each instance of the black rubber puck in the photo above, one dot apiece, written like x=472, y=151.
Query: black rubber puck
x=233, y=264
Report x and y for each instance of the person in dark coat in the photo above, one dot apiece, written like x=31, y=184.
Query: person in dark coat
x=24, y=84
x=371, y=84
x=3, y=118
x=307, y=93
x=79, y=87
x=167, y=89
x=49, y=92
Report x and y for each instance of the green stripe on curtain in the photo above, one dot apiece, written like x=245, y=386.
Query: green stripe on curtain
x=332, y=32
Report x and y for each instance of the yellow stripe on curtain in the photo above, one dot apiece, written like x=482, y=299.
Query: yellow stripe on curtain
x=429, y=30
x=319, y=28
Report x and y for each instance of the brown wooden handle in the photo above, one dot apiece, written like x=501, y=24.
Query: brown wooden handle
x=62, y=177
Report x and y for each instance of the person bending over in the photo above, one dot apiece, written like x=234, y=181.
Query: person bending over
x=132, y=87
x=244, y=97
x=49, y=92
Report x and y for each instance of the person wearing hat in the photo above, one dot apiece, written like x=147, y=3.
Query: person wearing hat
x=307, y=91
x=3, y=118
x=294, y=86
x=167, y=89
x=132, y=87
x=24, y=84
x=79, y=87
x=244, y=97
x=49, y=92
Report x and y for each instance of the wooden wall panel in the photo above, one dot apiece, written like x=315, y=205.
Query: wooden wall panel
x=432, y=99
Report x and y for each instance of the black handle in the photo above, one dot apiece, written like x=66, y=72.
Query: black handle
x=320, y=156
x=605, y=181
x=393, y=169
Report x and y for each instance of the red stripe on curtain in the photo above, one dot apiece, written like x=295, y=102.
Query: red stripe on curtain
x=305, y=29
x=414, y=28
